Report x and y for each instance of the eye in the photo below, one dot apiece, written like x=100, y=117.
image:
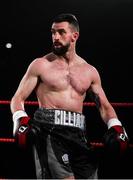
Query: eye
x=53, y=31
x=62, y=31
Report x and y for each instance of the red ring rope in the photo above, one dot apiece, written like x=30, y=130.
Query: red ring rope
x=12, y=140
x=96, y=144
x=121, y=104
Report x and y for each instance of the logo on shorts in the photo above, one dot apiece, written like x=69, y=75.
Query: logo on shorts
x=65, y=158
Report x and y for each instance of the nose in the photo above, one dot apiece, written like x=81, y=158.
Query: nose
x=56, y=36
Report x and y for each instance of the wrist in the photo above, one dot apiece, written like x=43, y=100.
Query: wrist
x=113, y=122
x=19, y=114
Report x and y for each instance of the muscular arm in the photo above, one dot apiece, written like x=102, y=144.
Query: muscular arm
x=115, y=139
x=26, y=86
x=106, y=110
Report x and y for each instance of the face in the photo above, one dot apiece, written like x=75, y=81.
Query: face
x=62, y=37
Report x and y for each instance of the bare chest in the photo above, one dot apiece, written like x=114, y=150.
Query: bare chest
x=60, y=78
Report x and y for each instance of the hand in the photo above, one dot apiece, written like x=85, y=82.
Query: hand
x=21, y=130
x=21, y=127
x=116, y=140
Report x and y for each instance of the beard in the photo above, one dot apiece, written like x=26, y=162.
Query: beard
x=60, y=50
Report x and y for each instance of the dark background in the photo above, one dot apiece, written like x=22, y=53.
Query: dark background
x=106, y=36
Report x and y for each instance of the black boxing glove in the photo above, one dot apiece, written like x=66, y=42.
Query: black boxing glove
x=116, y=139
x=21, y=127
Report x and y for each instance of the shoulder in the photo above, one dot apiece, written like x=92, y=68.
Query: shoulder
x=41, y=61
x=88, y=66
x=40, y=64
x=36, y=65
x=90, y=70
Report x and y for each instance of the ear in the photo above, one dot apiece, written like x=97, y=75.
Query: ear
x=75, y=36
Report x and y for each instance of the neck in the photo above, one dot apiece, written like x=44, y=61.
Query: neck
x=69, y=57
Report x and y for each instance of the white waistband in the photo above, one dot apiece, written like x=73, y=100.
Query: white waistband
x=68, y=118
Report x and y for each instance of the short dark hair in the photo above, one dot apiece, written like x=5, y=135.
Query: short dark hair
x=67, y=17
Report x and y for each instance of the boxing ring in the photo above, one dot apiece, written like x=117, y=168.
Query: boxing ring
x=91, y=104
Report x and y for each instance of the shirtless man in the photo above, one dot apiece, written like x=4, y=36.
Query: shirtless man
x=61, y=80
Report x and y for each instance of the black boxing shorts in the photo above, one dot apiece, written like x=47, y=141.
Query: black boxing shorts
x=61, y=149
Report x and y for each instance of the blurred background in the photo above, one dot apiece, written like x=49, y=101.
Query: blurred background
x=106, y=36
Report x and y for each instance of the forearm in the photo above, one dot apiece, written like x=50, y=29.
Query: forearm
x=16, y=104
x=107, y=113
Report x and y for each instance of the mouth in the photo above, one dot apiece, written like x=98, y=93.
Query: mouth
x=57, y=44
